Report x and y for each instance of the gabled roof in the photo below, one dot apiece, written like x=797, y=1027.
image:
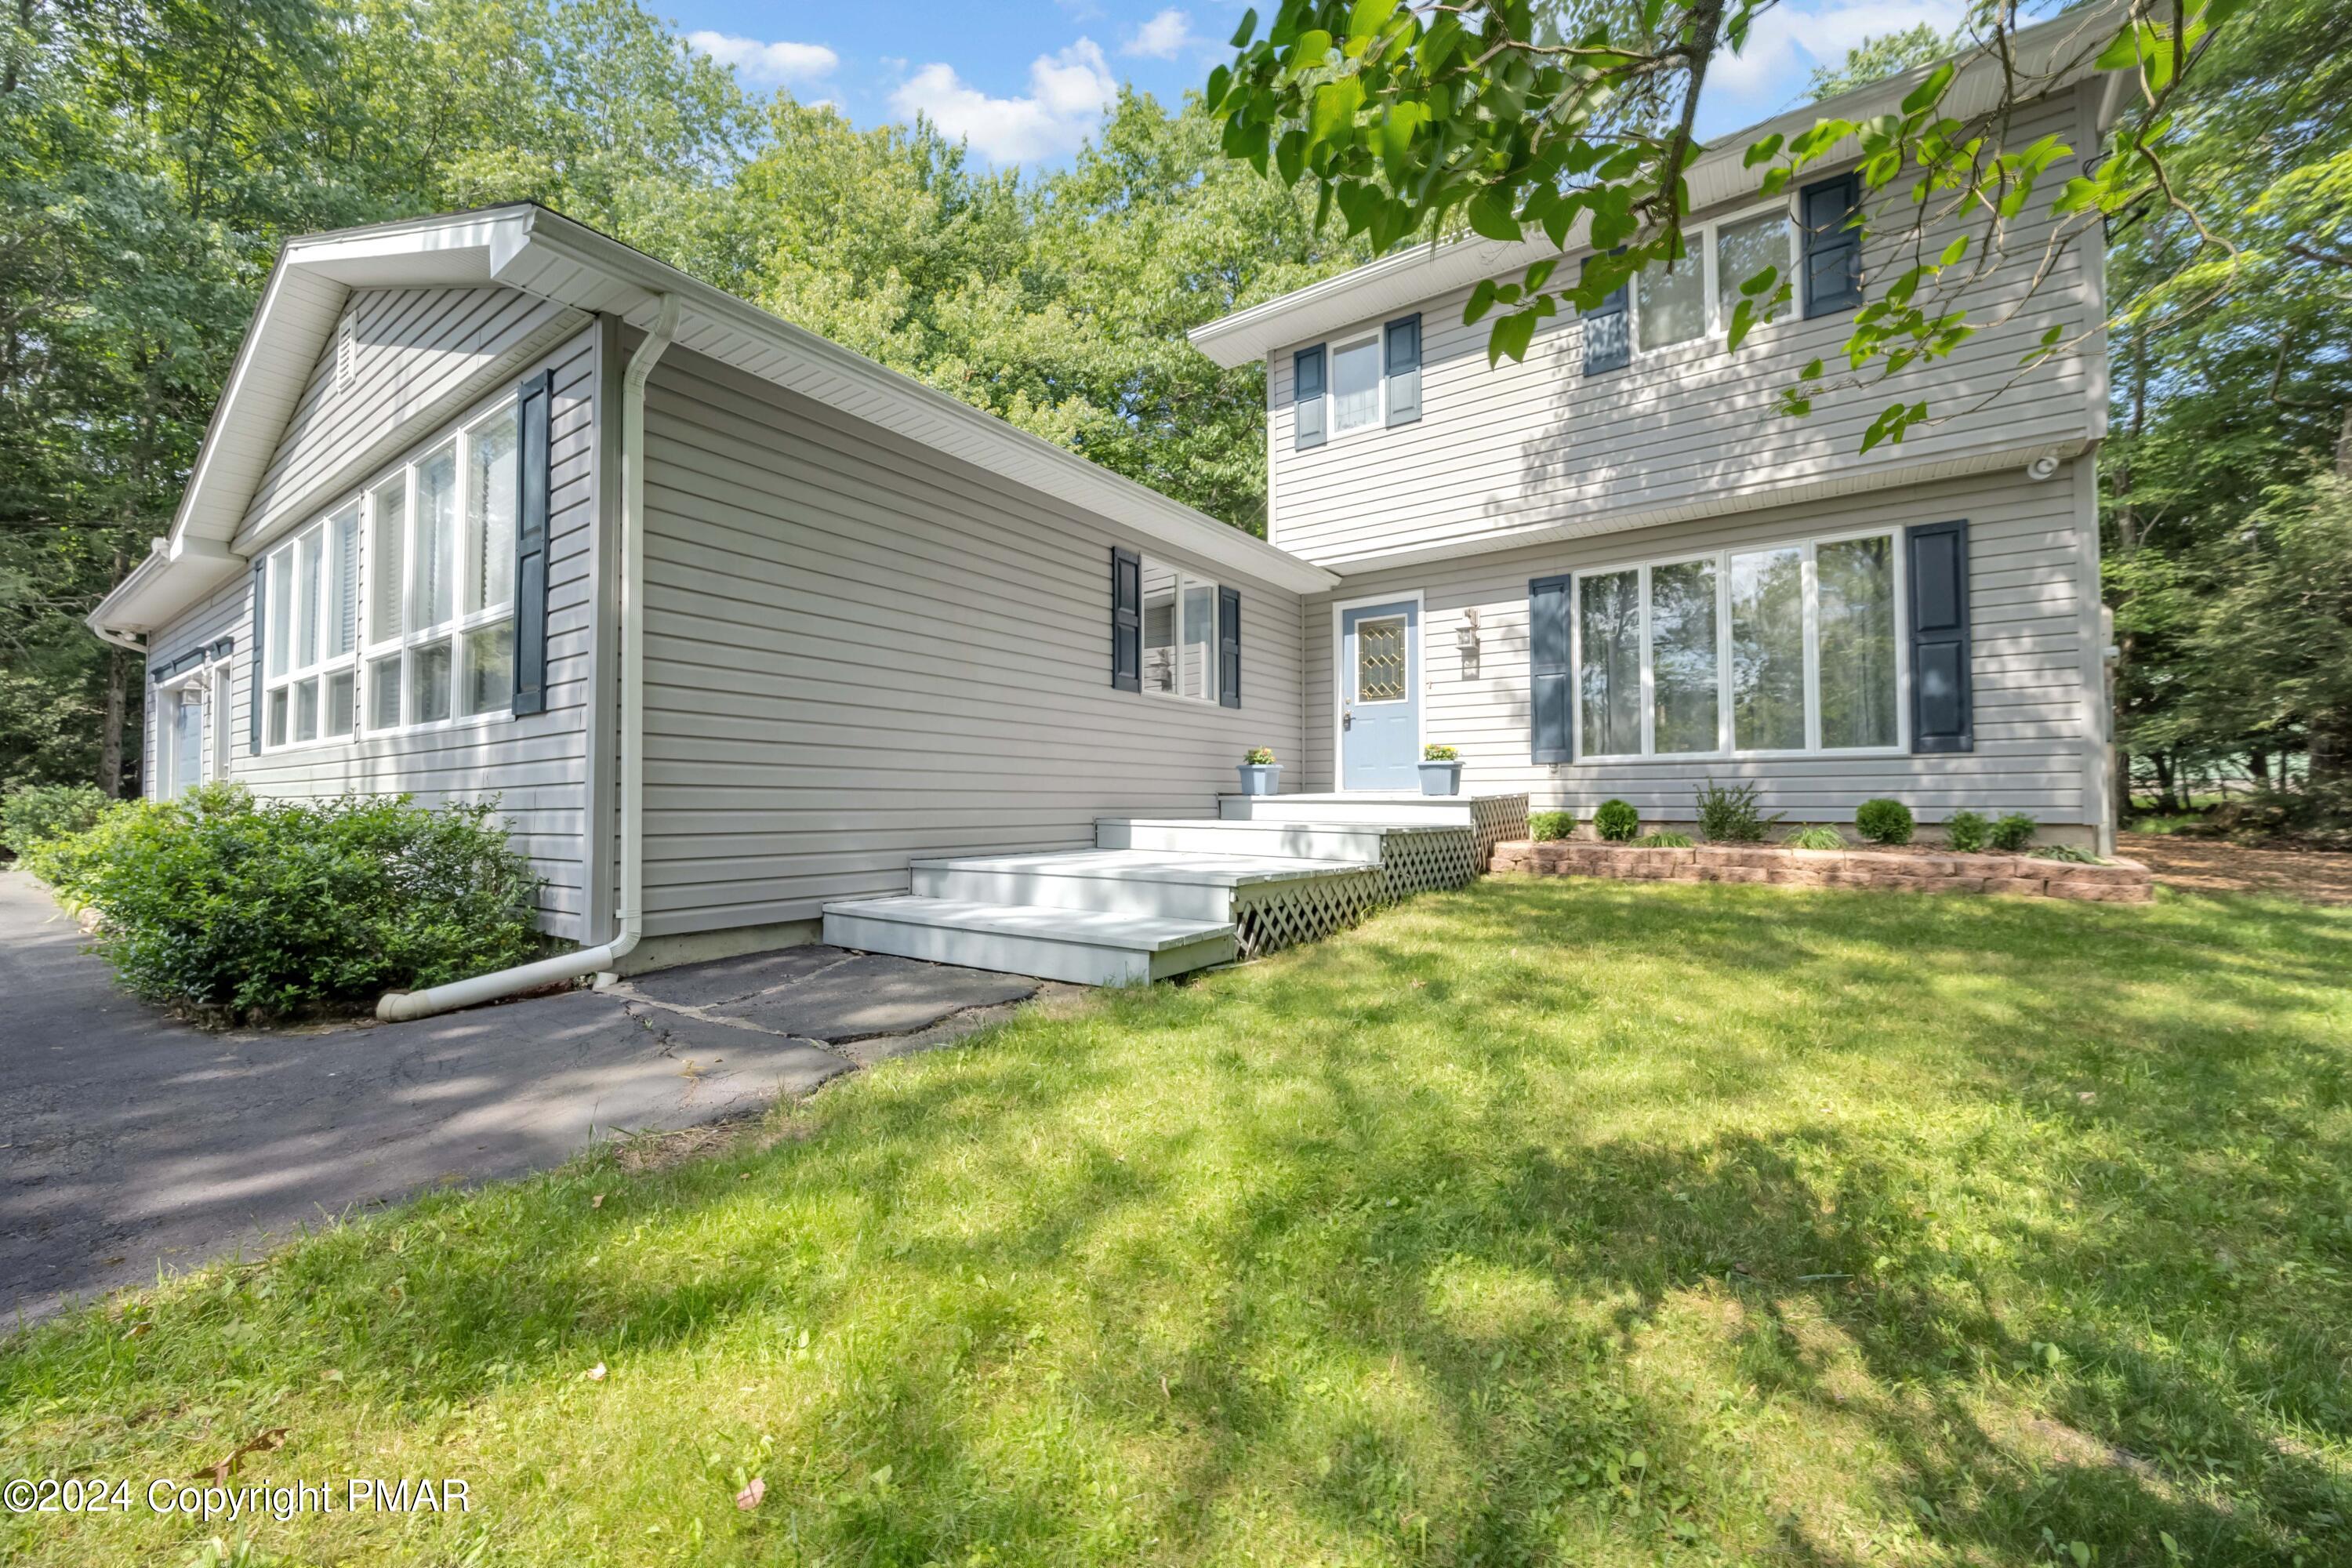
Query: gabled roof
x=2058, y=50
x=537, y=251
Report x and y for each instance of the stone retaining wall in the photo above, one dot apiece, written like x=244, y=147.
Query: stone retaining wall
x=2117, y=882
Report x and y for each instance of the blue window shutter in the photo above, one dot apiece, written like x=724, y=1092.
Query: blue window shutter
x=1306, y=397
x=1608, y=342
x=531, y=484
x=1126, y=619
x=1229, y=647
x=1403, y=363
x=260, y=641
x=1943, y=715
x=1550, y=683
x=1832, y=264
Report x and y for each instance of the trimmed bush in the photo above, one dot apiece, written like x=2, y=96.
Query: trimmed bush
x=38, y=812
x=1545, y=826
x=1729, y=816
x=234, y=910
x=2011, y=832
x=1966, y=831
x=1617, y=822
x=1665, y=838
x=1884, y=821
x=1820, y=837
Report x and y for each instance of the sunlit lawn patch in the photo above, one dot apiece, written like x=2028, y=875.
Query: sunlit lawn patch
x=1553, y=1221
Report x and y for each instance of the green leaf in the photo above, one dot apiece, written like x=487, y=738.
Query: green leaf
x=1290, y=155
x=1954, y=251
x=1333, y=121
x=1510, y=337
x=1930, y=92
x=1437, y=44
x=1490, y=214
x=1310, y=51
x=1368, y=17
x=1397, y=128
x=1762, y=152
x=1242, y=33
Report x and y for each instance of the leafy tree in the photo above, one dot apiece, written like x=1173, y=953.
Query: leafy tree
x=1881, y=56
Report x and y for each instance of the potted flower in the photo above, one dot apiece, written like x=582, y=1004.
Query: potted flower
x=1260, y=775
x=1441, y=771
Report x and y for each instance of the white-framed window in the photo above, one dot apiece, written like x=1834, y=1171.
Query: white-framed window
x=1180, y=633
x=1356, y=385
x=1782, y=649
x=396, y=610
x=1697, y=296
x=311, y=630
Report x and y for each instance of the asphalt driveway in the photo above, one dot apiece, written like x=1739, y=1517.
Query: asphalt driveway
x=130, y=1144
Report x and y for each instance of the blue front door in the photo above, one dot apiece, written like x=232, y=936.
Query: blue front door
x=1380, y=696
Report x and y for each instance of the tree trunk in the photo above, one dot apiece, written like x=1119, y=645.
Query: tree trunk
x=2258, y=765
x=110, y=747
x=2330, y=758
x=2166, y=800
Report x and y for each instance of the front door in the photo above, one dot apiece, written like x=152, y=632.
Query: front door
x=1380, y=696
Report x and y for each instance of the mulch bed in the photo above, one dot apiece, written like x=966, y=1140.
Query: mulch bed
x=1909, y=869
x=2217, y=866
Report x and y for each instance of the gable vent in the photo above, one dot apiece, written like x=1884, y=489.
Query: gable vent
x=346, y=352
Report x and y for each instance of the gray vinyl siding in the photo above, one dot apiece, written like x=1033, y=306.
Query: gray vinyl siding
x=861, y=651
x=412, y=350
x=1537, y=447
x=536, y=766
x=2033, y=655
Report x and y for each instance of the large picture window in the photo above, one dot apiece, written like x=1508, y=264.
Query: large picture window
x=1786, y=649
x=397, y=610
x=1180, y=633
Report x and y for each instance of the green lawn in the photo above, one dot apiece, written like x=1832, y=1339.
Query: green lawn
x=1554, y=1221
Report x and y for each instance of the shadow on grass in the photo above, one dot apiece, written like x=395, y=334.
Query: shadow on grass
x=1545, y=1221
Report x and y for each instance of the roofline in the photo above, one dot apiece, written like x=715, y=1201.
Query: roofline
x=1717, y=175
x=493, y=245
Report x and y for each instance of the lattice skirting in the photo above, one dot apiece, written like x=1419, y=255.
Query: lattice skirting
x=1275, y=915
x=1497, y=819
x=1418, y=859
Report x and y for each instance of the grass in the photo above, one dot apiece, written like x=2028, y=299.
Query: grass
x=1552, y=1221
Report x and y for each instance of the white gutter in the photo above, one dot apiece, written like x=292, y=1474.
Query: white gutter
x=397, y=1006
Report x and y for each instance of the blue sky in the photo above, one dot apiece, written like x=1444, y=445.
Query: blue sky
x=1026, y=82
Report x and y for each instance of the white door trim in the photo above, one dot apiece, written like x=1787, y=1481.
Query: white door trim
x=1419, y=656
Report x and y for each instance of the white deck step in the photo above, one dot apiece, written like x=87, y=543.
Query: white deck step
x=1356, y=843
x=1355, y=806
x=1089, y=947
x=1172, y=885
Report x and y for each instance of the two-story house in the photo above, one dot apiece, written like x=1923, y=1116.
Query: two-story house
x=755, y=640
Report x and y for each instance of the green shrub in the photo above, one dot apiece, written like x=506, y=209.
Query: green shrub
x=1730, y=816
x=235, y=909
x=1884, y=821
x=2011, y=832
x=1820, y=837
x=2072, y=854
x=1435, y=753
x=1617, y=822
x=1665, y=838
x=1545, y=826
x=1965, y=831
x=38, y=812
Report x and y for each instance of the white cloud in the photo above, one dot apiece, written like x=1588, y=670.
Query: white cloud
x=1165, y=36
x=1066, y=94
x=1788, y=42
x=766, y=65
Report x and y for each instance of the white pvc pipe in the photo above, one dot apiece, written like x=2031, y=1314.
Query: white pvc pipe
x=397, y=1006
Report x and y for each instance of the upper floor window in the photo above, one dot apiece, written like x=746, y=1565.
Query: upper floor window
x=1699, y=295
x=1357, y=383
x=1793, y=647
x=397, y=610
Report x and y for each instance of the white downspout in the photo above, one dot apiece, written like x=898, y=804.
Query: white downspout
x=397, y=1006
